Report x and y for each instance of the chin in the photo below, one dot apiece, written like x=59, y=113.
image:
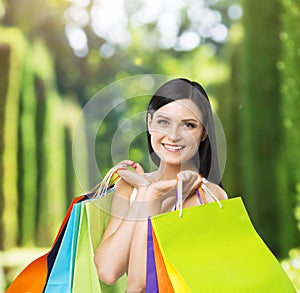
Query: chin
x=174, y=161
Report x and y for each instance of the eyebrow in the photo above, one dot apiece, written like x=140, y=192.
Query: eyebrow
x=190, y=119
x=183, y=120
x=163, y=116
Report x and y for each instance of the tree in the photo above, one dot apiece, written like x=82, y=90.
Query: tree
x=261, y=119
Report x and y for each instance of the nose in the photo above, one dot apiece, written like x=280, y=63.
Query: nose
x=174, y=134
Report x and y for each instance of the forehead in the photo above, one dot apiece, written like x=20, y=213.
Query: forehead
x=181, y=109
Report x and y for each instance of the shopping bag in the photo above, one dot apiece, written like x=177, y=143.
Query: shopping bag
x=61, y=276
x=151, y=272
x=157, y=278
x=93, y=220
x=34, y=276
x=213, y=249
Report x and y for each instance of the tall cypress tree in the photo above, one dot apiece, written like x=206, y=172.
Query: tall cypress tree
x=4, y=78
x=14, y=39
x=260, y=117
x=289, y=170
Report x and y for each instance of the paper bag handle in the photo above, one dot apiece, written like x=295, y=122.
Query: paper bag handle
x=179, y=202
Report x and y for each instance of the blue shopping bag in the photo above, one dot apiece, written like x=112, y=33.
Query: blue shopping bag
x=61, y=276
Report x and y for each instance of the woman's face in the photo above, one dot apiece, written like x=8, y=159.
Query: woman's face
x=176, y=131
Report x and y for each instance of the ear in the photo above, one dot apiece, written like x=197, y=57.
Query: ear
x=149, y=122
x=204, y=135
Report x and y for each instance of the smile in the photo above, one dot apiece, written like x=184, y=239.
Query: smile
x=173, y=148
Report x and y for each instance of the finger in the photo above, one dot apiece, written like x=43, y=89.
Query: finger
x=133, y=178
x=162, y=187
x=191, y=182
x=138, y=168
x=197, y=183
x=168, y=184
x=126, y=163
x=188, y=176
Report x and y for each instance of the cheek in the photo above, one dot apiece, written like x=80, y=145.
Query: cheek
x=156, y=136
x=193, y=139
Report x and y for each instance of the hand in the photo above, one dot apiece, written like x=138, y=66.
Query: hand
x=151, y=189
x=191, y=181
x=136, y=166
x=163, y=188
x=150, y=193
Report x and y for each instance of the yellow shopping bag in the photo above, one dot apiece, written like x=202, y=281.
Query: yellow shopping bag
x=213, y=249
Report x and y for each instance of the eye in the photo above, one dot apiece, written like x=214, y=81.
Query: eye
x=163, y=122
x=189, y=125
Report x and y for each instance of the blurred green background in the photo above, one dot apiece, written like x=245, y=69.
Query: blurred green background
x=56, y=55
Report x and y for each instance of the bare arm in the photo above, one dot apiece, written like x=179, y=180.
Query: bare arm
x=112, y=255
x=217, y=190
x=123, y=246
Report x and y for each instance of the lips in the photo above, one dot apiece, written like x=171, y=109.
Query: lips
x=173, y=148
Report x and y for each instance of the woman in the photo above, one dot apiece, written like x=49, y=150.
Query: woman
x=181, y=142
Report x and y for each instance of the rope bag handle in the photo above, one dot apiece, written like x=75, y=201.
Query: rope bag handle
x=179, y=197
x=110, y=179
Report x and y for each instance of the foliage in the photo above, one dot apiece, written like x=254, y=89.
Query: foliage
x=34, y=178
x=292, y=267
x=9, y=138
x=178, y=25
x=261, y=92
x=290, y=91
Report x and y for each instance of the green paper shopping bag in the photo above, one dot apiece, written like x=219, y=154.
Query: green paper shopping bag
x=93, y=221
x=213, y=249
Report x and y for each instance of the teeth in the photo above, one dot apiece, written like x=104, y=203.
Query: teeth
x=172, y=147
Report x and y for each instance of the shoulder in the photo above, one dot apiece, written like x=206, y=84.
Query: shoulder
x=217, y=190
x=123, y=188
